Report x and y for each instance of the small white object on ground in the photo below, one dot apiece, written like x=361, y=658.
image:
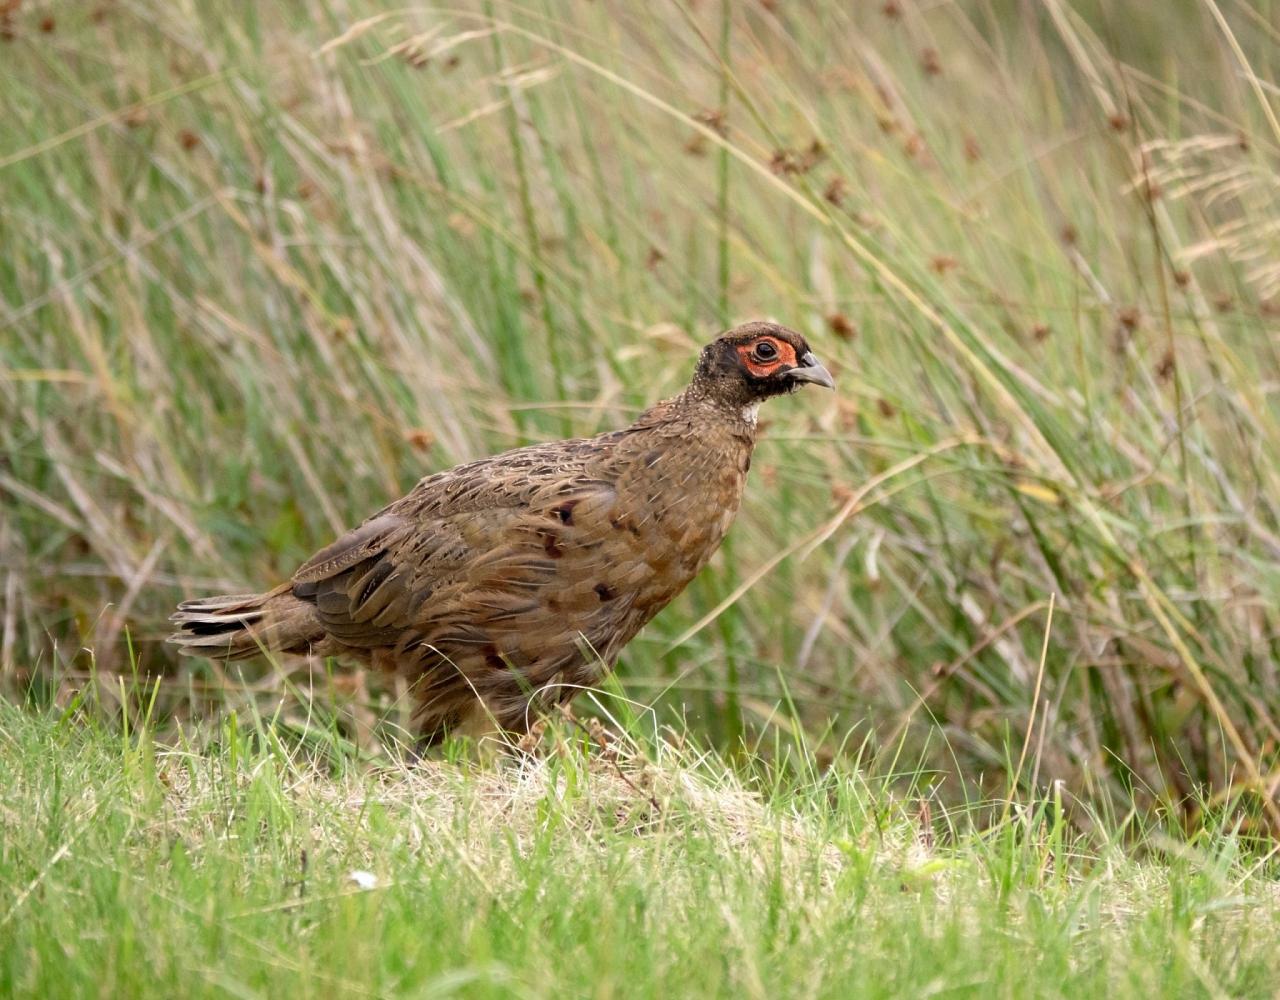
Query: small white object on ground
x=365, y=880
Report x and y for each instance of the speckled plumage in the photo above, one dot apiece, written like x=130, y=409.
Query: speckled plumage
x=511, y=580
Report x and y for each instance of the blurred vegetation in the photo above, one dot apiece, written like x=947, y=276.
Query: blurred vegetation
x=266, y=264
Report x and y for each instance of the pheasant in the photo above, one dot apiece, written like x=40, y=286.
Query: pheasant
x=501, y=587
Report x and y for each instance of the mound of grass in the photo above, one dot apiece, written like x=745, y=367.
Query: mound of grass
x=243, y=868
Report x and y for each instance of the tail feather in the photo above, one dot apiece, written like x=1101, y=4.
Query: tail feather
x=237, y=626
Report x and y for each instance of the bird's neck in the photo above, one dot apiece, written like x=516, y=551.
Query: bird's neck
x=704, y=410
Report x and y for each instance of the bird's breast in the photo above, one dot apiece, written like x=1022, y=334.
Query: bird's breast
x=679, y=501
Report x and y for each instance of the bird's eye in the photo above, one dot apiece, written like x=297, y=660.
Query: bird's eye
x=765, y=351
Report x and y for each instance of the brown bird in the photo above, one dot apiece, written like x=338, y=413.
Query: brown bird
x=506, y=584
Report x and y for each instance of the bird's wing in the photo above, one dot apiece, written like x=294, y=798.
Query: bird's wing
x=477, y=546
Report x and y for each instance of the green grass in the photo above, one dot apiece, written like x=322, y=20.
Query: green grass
x=230, y=870
x=264, y=265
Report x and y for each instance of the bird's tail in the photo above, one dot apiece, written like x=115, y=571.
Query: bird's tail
x=237, y=626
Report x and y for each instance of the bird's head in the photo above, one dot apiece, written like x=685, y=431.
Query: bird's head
x=757, y=360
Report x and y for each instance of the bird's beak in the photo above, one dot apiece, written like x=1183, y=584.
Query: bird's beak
x=811, y=370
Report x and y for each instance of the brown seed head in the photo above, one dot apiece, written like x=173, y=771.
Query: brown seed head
x=715, y=119
x=420, y=439
x=888, y=123
x=813, y=154
x=841, y=326
x=784, y=162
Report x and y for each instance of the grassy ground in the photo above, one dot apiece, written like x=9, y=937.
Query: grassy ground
x=264, y=265
x=238, y=870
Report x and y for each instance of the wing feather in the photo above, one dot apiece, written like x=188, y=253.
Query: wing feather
x=487, y=544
